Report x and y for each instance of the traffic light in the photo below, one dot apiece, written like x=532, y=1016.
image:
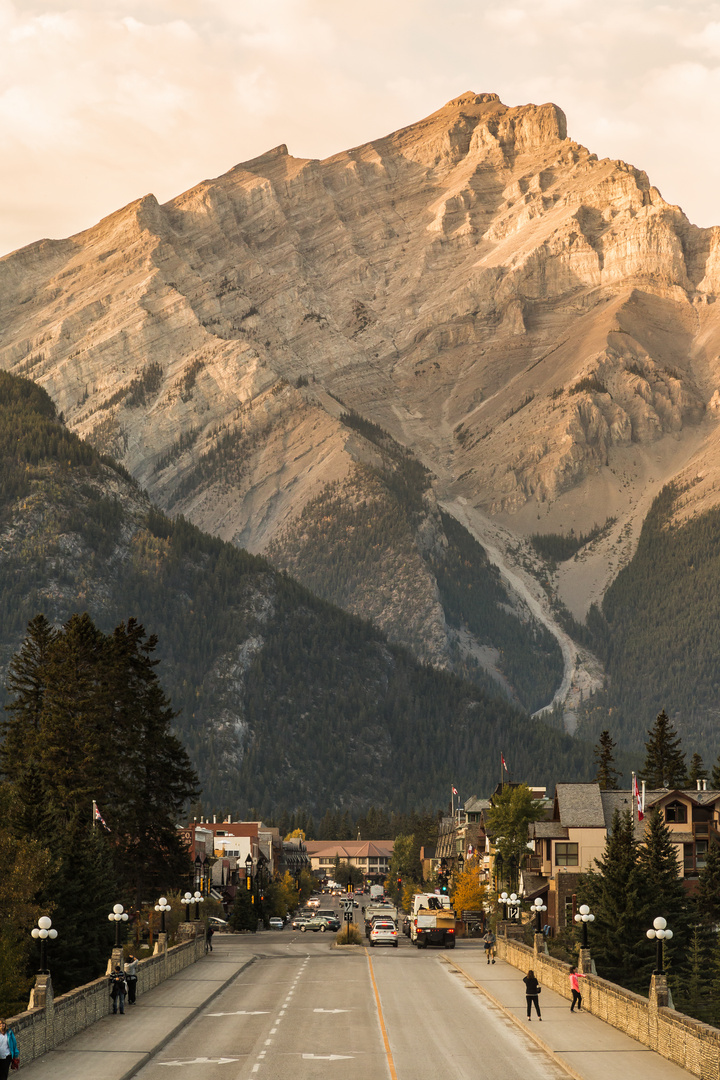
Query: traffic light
x=248, y=882
x=349, y=886
x=399, y=883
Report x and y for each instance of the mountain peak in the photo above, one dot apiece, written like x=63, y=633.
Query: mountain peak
x=471, y=98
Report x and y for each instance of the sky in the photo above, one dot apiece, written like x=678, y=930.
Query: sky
x=104, y=101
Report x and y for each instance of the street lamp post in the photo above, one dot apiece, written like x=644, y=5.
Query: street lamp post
x=498, y=871
x=162, y=906
x=118, y=915
x=43, y=930
x=537, y=909
x=661, y=933
x=199, y=899
x=584, y=916
x=186, y=900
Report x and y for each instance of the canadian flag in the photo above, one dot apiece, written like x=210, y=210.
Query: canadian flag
x=503, y=762
x=638, y=800
x=455, y=791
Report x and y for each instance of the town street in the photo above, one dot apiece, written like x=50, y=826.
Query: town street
x=304, y=1010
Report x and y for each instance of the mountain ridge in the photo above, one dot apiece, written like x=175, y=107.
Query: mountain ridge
x=538, y=327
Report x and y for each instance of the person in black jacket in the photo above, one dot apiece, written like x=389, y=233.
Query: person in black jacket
x=532, y=990
x=118, y=989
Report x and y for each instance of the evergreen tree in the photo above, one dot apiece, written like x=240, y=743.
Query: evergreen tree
x=664, y=891
x=665, y=761
x=714, y=1007
x=606, y=775
x=614, y=892
x=697, y=770
x=244, y=914
x=708, y=893
x=715, y=778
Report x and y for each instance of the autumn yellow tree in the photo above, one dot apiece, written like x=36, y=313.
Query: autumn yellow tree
x=468, y=892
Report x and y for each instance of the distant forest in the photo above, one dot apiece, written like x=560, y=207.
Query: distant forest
x=284, y=700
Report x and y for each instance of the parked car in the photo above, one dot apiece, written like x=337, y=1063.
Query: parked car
x=384, y=932
x=276, y=923
x=217, y=923
x=321, y=923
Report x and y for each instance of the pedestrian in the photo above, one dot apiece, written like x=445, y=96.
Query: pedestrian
x=8, y=1051
x=131, y=968
x=489, y=940
x=575, y=976
x=532, y=993
x=208, y=937
x=118, y=989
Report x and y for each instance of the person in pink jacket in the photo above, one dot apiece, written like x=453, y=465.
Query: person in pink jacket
x=575, y=976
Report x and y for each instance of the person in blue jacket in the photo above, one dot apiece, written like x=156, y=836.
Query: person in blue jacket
x=8, y=1050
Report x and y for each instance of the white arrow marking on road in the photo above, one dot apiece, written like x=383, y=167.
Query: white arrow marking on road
x=201, y=1061
x=261, y=1012
x=331, y=1010
x=328, y=1057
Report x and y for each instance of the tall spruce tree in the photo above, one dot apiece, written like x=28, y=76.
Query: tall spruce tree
x=90, y=721
x=707, y=897
x=606, y=775
x=697, y=770
x=715, y=778
x=665, y=760
x=615, y=895
x=662, y=885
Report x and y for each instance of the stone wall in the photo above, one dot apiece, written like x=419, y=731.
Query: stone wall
x=42, y=1028
x=688, y=1043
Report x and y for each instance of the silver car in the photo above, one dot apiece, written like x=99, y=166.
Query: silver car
x=384, y=933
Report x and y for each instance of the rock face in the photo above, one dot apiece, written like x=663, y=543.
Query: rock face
x=538, y=326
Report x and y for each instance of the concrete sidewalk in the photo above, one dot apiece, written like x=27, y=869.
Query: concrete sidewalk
x=116, y=1047
x=584, y=1045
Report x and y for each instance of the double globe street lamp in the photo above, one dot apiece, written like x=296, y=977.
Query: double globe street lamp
x=43, y=931
x=661, y=933
x=584, y=916
x=197, y=899
x=511, y=904
x=117, y=915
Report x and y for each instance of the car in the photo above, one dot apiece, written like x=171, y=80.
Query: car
x=299, y=921
x=313, y=902
x=276, y=923
x=320, y=923
x=384, y=932
x=217, y=923
x=374, y=919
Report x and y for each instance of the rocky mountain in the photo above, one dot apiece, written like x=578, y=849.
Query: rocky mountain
x=284, y=701
x=536, y=326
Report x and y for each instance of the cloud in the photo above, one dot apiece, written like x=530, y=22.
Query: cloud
x=101, y=102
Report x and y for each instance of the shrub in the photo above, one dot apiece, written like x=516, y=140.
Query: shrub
x=349, y=935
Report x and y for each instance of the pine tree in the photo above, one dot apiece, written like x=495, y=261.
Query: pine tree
x=614, y=893
x=662, y=886
x=697, y=770
x=715, y=779
x=708, y=893
x=606, y=775
x=665, y=761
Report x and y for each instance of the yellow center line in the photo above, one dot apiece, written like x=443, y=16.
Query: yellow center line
x=388, y=1053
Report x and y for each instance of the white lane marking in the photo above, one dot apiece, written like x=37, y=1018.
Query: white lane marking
x=273, y=1030
x=201, y=1061
x=268, y=1042
x=328, y=1057
x=255, y=1068
x=242, y=1012
x=331, y=1010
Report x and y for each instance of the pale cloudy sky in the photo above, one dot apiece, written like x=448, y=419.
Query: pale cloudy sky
x=102, y=101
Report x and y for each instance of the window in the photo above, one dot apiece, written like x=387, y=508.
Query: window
x=676, y=813
x=701, y=850
x=566, y=854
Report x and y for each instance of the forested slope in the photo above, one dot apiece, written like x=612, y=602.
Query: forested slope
x=658, y=633
x=284, y=700
x=378, y=545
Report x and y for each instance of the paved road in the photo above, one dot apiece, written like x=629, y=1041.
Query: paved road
x=303, y=1011
x=286, y=1006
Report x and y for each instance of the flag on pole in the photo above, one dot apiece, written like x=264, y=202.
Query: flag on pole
x=97, y=816
x=503, y=761
x=641, y=815
x=455, y=791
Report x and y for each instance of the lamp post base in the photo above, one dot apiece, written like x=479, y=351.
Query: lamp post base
x=160, y=944
x=118, y=957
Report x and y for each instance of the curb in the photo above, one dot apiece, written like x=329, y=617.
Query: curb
x=186, y=1020
x=518, y=1023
